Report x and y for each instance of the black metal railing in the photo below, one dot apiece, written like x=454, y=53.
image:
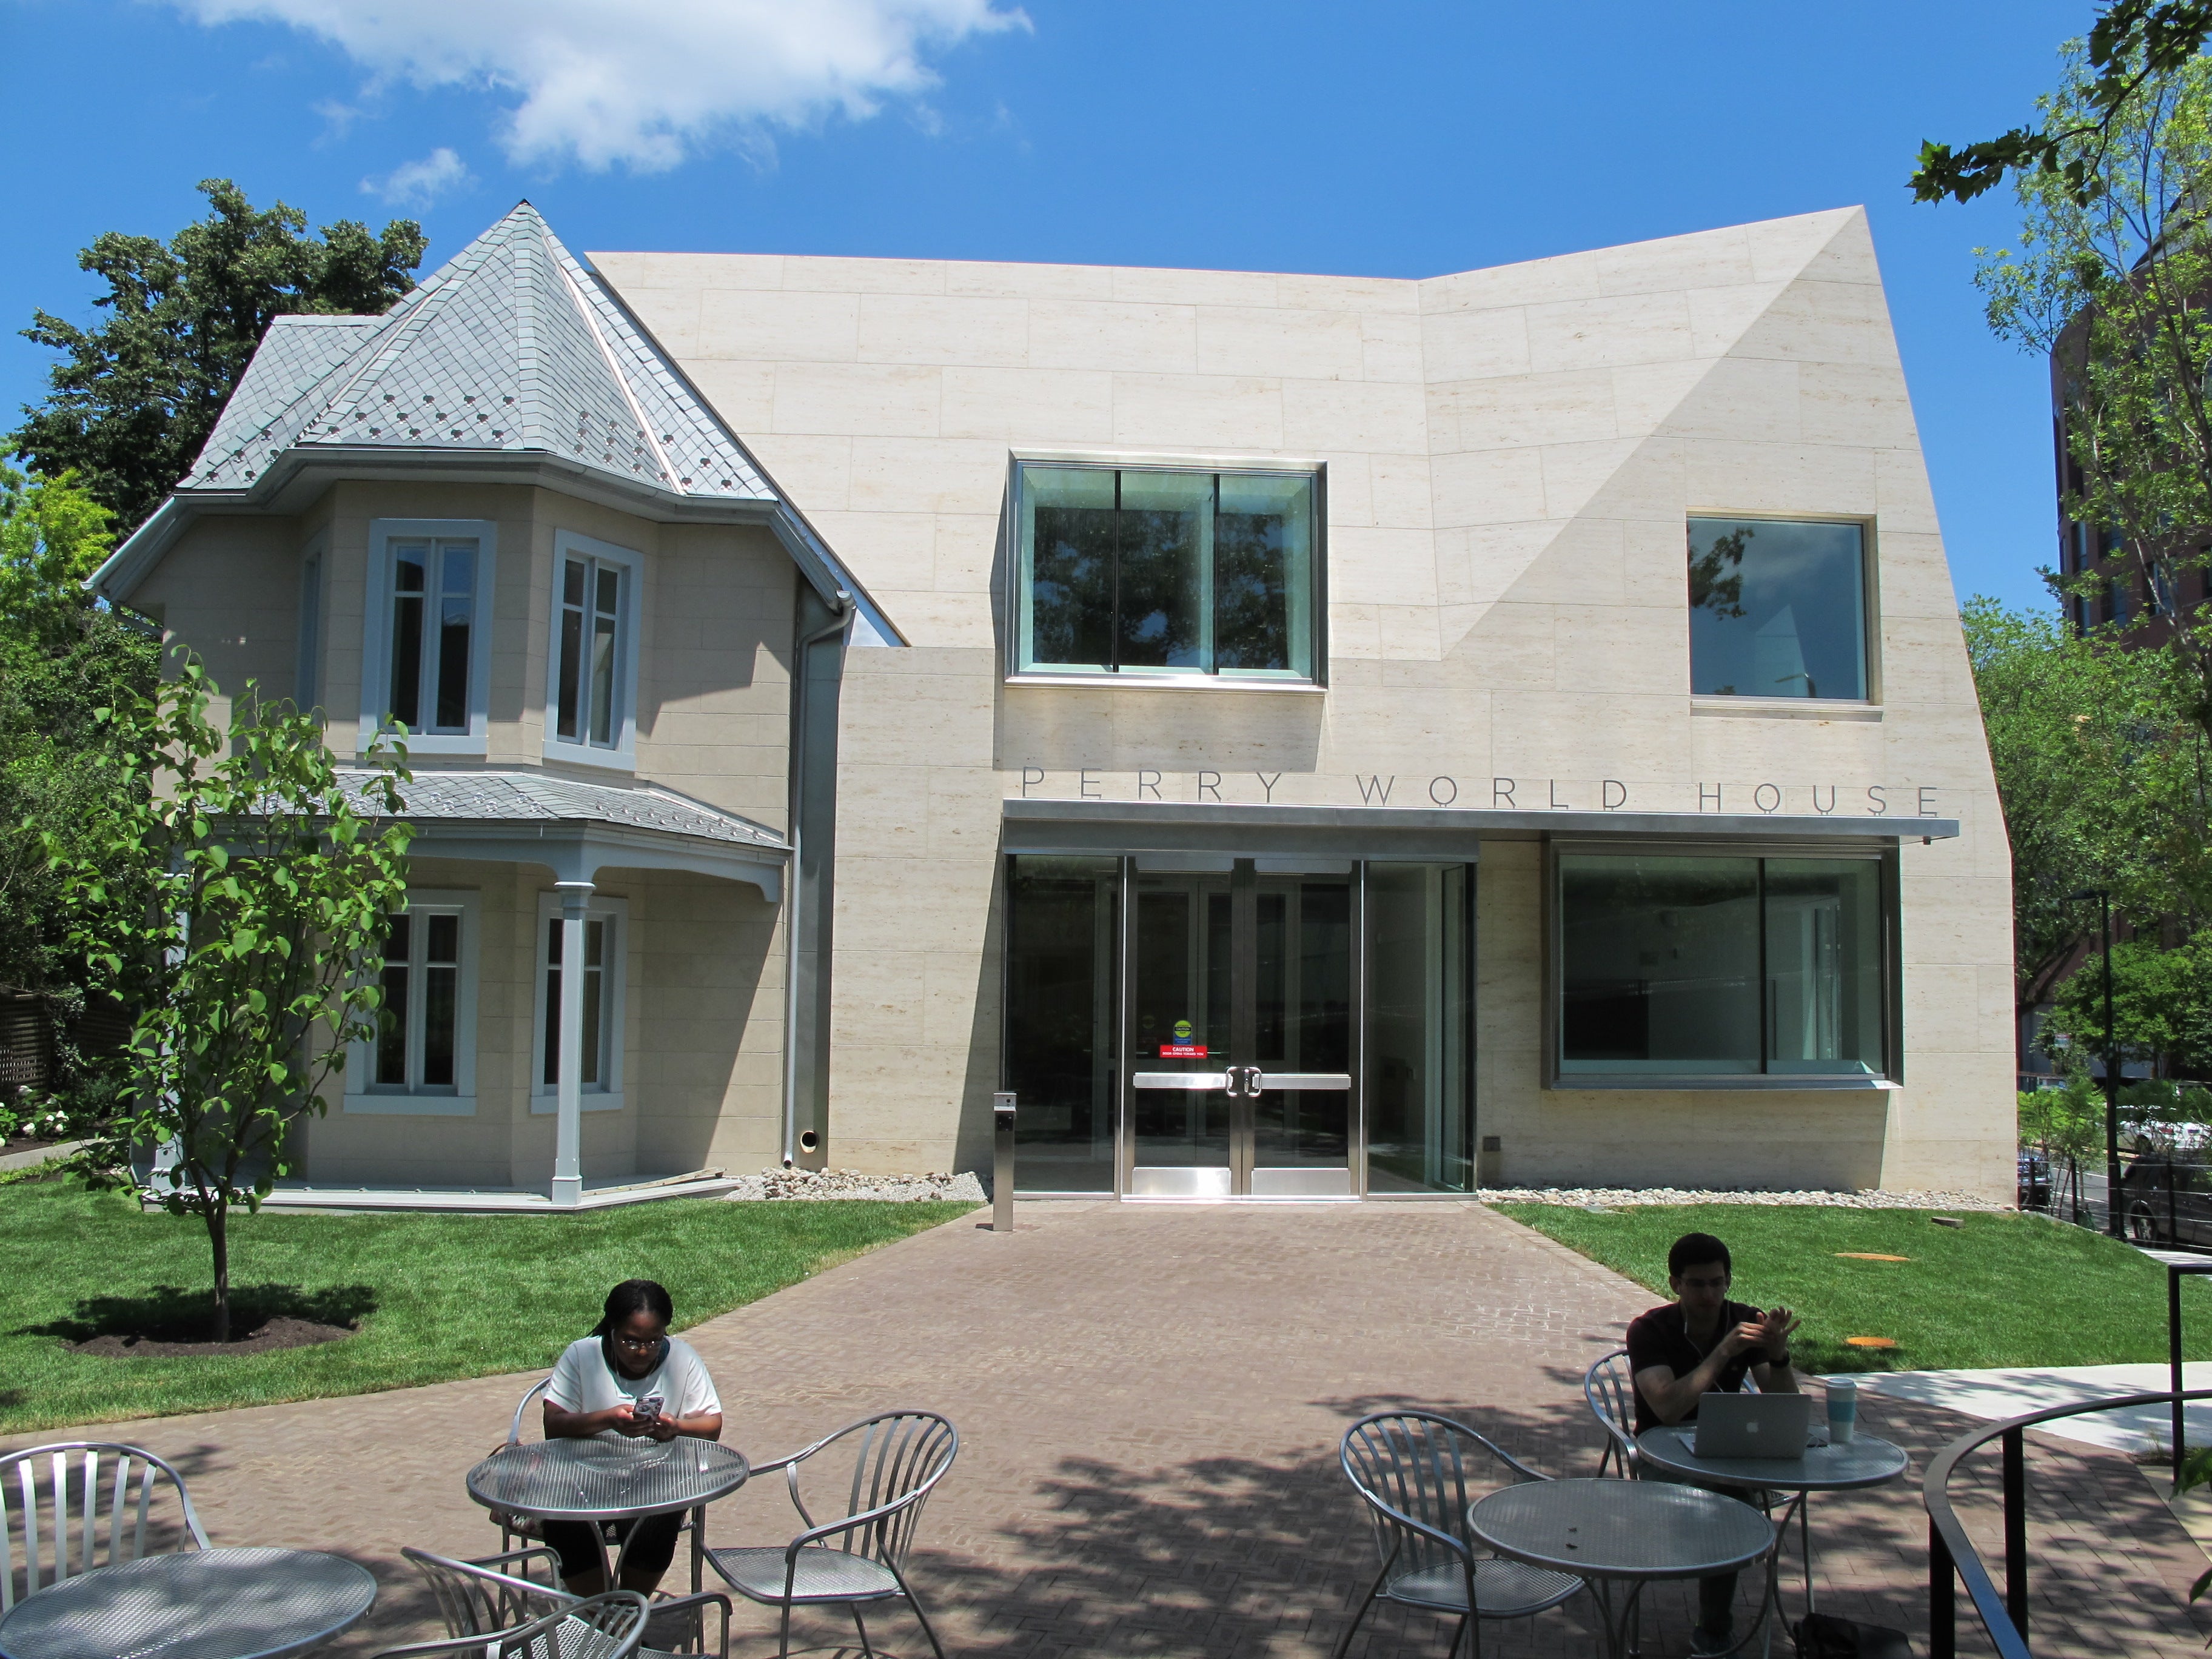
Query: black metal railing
x=1954, y=1560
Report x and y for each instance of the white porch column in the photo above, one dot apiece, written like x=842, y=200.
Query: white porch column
x=568, y=1132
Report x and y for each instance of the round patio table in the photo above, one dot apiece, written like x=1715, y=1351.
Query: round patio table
x=1861, y=1461
x=600, y=1480
x=197, y=1604
x=1630, y=1530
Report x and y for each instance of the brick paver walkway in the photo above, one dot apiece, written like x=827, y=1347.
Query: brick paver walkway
x=1149, y=1400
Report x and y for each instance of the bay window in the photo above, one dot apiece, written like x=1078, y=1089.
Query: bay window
x=1152, y=571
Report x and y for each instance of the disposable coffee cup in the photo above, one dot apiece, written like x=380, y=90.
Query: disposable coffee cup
x=1842, y=1409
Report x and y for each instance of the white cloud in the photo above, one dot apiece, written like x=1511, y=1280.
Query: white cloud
x=418, y=183
x=641, y=83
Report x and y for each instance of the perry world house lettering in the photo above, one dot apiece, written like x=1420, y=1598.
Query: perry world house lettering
x=1164, y=681
x=1448, y=790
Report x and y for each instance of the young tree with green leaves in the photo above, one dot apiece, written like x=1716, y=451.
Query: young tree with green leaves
x=259, y=956
x=135, y=397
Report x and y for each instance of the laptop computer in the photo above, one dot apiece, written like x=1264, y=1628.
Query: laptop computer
x=1754, y=1425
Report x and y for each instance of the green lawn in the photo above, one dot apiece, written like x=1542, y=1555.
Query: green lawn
x=2003, y=1290
x=436, y=1297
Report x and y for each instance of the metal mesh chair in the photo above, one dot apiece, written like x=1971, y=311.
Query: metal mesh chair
x=1411, y=1470
x=521, y=1405
x=98, y=1514
x=881, y=1470
x=607, y=1626
x=496, y=1592
x=1610, y=1390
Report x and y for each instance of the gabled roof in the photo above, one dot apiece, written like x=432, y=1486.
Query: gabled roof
x=511, y=347
x=513, y=353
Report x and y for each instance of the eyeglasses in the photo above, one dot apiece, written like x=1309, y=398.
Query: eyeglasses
x=638, y=1344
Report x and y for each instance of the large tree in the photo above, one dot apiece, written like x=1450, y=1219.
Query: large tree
x=2132, y=43
x=2103, y=775
x=62, y=659
x=2115, y=282
x=135, y=396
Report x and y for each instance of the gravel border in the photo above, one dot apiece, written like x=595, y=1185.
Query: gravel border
x=1607, y=1198
x=780, y=1184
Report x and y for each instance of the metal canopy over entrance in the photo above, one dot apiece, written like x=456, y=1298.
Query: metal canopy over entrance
x=1243, y=1016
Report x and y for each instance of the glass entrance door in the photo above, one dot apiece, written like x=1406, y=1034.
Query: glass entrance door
x=1240, y=1035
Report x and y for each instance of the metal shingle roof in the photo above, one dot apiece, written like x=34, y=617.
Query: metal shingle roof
x=511, y=347
x=509, y=797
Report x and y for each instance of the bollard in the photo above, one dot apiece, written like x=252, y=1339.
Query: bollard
x=1002, y=1163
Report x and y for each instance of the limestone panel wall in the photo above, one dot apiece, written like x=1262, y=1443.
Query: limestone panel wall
x=1508, y=457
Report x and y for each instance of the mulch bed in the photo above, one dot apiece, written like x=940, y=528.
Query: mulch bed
x=27, y=1143
x=282, y=1332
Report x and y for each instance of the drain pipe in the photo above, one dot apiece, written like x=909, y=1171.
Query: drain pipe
x=840, y=621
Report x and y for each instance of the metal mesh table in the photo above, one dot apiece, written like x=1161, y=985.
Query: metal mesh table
x=597, y=1480
x=199, y=1604
x=1605, y=1530
x=1861, y=1461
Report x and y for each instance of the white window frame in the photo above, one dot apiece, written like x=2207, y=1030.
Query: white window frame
x=364, y=1097
x=376, y=634
x=605, y=1096
x=622, y=756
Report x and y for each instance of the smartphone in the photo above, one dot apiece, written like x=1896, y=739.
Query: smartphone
x=648, y=1409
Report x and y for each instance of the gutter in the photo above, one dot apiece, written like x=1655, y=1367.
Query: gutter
x=844, y=611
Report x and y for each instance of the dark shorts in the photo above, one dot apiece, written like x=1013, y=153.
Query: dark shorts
x=651, y=1543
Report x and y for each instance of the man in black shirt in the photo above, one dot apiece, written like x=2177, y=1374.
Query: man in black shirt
x=1702, y=1343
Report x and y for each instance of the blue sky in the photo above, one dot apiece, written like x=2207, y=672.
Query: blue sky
x=1393, y=139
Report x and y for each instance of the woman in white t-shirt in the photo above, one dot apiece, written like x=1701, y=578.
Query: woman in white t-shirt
x=630, y=1378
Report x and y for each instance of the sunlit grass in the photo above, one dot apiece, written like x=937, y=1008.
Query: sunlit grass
x=437, y=1297
x=2002, y=1290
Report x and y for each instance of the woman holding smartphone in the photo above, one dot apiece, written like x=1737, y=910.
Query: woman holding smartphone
x=628, y=1379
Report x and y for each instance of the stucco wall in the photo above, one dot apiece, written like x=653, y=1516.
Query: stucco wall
x=1510, y=455
x=703, y=1008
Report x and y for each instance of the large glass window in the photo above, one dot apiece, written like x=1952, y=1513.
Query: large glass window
x=1720, y=967
x=1147, y=571
x=434, y=609
x=1420, y=1028
x=1060, y=932
x=1778, y=609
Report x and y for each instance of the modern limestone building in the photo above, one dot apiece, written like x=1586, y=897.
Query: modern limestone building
x=1306, y=735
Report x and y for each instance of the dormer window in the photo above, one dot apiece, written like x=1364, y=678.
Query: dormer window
x=592, y=658
x=426, y=650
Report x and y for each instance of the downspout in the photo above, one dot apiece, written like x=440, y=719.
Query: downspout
x=840, y=621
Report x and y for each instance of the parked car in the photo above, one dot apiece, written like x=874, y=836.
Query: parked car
x=2034, y=1181
x=2166, y=1200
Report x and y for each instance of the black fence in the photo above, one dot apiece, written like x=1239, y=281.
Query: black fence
x=2165, y=1197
